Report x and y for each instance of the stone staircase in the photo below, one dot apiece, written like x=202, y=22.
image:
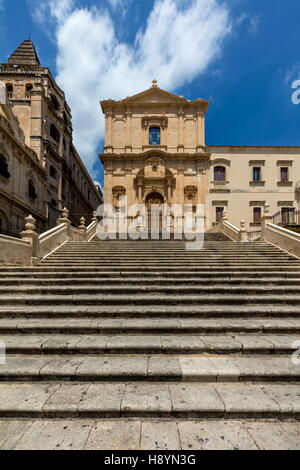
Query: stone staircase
x=149, y=330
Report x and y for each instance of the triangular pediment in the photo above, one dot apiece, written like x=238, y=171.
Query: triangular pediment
x=155, y=95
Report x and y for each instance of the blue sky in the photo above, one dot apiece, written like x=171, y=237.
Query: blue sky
x=242, y=55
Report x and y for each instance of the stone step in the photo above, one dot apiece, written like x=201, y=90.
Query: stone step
x=157, y=325
x=141, y=367
x=211, y=311
x=149, y=299
x=140, y=289
x=150, y=344
x=73, y=281
x=170, y=270
x=150, y=400
x=144, y=276
x=163, y=434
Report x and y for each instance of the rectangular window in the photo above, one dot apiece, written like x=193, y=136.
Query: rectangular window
x=287, y=216
x=256, y=215
x=256, y=174
x=219, y=214
x=284, y=175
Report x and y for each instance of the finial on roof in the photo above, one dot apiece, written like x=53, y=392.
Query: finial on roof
x=154, y=83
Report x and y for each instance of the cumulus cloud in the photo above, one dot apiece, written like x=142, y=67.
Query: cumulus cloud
x=179, y=41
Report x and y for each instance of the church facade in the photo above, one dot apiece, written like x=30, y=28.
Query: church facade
x=155, y=153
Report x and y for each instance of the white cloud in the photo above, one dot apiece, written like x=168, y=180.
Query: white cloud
x=117, y=3
x=180, y=40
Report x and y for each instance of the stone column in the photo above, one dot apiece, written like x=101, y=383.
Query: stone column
x=82, y=227
x=64, y=219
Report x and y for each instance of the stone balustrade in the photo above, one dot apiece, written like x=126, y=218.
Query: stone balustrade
x=33, y=247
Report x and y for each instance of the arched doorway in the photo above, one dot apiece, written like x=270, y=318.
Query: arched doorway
x=154, y=201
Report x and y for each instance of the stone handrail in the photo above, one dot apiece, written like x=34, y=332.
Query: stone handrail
x=51, y=240
x=282, y=238
x=91, y=230
x=231, y=231
x=33, y=247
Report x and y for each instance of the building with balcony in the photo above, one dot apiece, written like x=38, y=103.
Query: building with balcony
x=44, y=117
x=155, y=152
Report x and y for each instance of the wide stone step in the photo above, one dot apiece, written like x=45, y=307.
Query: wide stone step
x=144, y=276
x=150, y=344
x=168, y=271
x=149, y=299
x=149, y=400
x=149, y=311
x=113, y=281
x=148, y=434
x=140, y=289
x=141, y=367
x=157, y=325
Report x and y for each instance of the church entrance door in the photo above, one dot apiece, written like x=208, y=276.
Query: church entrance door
x=154, y=203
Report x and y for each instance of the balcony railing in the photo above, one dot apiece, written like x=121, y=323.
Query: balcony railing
x=220, y=184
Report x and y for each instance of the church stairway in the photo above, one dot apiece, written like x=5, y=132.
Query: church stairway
x=149, y=330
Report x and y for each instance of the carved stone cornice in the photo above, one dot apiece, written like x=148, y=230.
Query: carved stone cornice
x=158, y=121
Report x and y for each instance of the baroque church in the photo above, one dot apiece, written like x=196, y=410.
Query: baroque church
x=155, y=153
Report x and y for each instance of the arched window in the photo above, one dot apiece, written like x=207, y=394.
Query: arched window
x=154, y=136
x=53, y=172
x=219, y=173
x=54, y=133
x=4, y=167
x=9, y=90
x=31, y=190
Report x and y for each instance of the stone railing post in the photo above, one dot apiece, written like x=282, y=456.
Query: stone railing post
x=243, y=232
x=223, y=219
x=82, y=227
x=95, y=218
x=266, y=218
x=64, y=219
x=31, y=236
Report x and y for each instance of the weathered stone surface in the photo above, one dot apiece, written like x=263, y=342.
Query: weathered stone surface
x=197, y=368
x=159, y=435
x=195, y=398
x=220, y=343
x=11, y=431
x=102, y=398
x=114, y=435
x=110, y=366
x=215, y=435
x=23, y=365
x=61, y=365
x=128, y=342
x=255, y=342
x=66, y=399
x=275, y=436
x=146, y=398
x=62, y=342
x=164, y=367
x=225, y=368
x=179, y=342
x=249, y=399
x=55, y=435
x=286, y=395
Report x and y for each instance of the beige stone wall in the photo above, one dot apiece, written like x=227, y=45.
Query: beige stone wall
x=241, y=195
